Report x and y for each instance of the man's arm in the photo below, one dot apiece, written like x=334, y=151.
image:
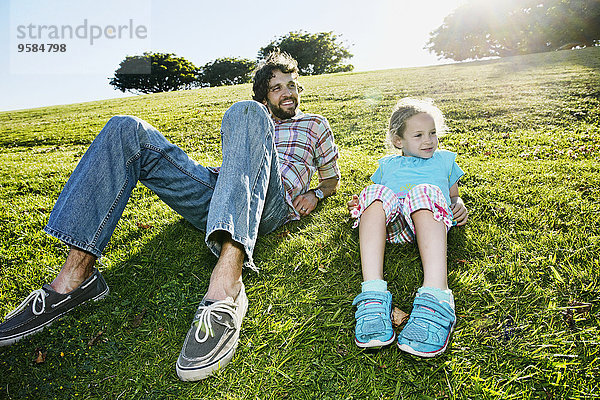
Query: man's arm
x=325, y=159
x=328, y=186
x=308, y=201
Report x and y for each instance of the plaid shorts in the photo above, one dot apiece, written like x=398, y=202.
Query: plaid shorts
x=398, y=210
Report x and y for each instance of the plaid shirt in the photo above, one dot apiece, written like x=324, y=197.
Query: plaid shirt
x=304, y=145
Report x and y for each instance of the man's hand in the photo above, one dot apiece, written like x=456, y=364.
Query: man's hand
x=305, y=203
x=459, y=211
x=308, y=201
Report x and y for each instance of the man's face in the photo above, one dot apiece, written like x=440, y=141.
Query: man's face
x=282, y=95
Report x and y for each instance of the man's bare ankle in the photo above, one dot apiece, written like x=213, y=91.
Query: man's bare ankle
x=222, y=291
x=78, y=266
x=66, y=282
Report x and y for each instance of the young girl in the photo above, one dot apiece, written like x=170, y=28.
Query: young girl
x=415, y=194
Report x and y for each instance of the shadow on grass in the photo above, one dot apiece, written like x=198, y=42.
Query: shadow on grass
x=153, y=296
x=300, y=315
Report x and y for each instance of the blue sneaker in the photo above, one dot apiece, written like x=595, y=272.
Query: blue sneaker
x=428, y=329
x=373, y=319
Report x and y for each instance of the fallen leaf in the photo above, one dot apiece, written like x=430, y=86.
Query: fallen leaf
x=398, y=317
x=322, y=268
x=568, y=316
x=95, y=339
x=40, y=356
x=283, y=233
x=143, y=226
x=137, y=320
x=584, y=189
x=575, y=308
x=580, y=308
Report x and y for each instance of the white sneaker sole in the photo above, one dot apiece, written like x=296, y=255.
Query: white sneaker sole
x=406, y=348
x=375, y=343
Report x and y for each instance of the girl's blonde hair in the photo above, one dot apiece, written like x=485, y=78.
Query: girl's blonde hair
x=408, y=107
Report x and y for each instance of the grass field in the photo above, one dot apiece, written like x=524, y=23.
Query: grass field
x=525, y=271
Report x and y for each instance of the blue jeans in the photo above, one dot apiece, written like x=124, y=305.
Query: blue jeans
x=245, y=198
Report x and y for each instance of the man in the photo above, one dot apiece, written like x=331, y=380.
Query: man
x=270, y=152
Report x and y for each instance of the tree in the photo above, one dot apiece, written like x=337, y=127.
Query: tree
x=153, y=73
x=227, y=71
x=502, y=28
x=317, y=53
x=575, y=22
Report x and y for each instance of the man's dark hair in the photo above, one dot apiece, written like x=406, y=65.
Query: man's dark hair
x=276, y=60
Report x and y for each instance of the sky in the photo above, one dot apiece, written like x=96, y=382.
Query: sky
x=98, y=35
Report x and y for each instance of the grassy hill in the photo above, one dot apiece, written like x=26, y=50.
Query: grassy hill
x=525, y=271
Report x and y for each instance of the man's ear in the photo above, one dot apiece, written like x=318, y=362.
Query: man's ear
x=268, y=108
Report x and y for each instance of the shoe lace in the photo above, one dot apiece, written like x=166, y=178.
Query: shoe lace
x=38, y=295
x=206, y=312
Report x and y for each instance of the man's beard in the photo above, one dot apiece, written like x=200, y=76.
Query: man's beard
x=280, y=112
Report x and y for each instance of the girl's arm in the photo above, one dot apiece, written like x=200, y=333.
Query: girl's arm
x=457, y=206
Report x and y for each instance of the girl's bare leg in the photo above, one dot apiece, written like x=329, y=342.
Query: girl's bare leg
x=431, y=239
x=371, y=232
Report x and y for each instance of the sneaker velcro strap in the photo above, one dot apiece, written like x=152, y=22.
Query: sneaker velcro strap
x=374, y=308
x=382, y=297
x=435, y=306
x=431, y=317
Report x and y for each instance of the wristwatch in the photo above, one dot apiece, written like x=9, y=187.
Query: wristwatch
x=319, y=193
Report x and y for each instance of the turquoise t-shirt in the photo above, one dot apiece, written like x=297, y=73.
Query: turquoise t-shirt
x=401, y=173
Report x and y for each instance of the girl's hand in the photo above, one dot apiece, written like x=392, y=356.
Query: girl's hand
x=459, y=211
x=353, y=205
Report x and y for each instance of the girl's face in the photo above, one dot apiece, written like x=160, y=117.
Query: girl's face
x=419, y=139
